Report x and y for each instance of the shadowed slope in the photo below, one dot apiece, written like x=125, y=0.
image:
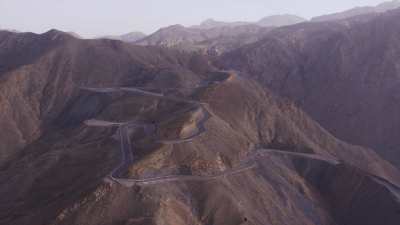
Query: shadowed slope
x=344, y=74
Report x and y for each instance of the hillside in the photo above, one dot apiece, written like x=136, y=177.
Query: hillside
x=41, y=73
x=103, y=132
x=344, y=74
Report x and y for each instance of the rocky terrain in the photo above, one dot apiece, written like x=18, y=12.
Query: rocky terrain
x=104, y=132
x=343, y=73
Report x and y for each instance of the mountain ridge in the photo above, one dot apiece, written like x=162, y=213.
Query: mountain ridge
x=128, y=37
x=268, y=21
x=314, y=63
x=380, y=8
x=257, y=123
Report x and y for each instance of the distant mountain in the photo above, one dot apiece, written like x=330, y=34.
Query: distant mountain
x=74, y=34
x=383, y=7
x=211, y=23
x=215, y=37
x=212, y=40
x=129, y=37
x=280, y=20
x=9, y=30
x=173, y=35
x=269, y=21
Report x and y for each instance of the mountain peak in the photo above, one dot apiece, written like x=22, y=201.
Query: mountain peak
x=280, y=20
x=209, y=22
x=128, y=37
x=55, y=34
x=177, y=26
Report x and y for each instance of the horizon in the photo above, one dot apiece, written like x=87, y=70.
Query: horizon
x=88, y=23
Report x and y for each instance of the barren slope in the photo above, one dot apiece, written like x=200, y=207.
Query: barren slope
x=205, y=145
x=344, y=74
x=41, y=75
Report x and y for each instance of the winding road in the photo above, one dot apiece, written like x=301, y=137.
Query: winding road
x=249, y=163
x=126, y=146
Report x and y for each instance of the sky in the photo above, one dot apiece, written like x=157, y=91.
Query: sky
x=91, y=18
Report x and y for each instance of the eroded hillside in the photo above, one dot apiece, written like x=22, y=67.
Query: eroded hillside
x=120, y=134
x=343, y=73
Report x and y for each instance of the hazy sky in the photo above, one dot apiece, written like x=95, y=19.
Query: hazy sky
x=99, y=17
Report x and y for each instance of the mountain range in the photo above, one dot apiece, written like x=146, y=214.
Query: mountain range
x=218, y=124
x=269, y=21
x=383, y=7
x=215, y=37
x=213, y=41
x=343, y=74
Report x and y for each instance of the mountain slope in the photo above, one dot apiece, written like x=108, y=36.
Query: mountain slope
x=182, y=143
x=40, y=73
x=344, y=74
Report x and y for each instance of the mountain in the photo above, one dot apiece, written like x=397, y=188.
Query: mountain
x=213, y=41
x=280, y=20
x=215, y=37
x=269, y=21
x=105, y=132
x=383, y=7
x=343, y=73
x=9, y=30
x=44, y=65
x=74, y=34
x=173, y=35
x=129, y=37
x=211, y=23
